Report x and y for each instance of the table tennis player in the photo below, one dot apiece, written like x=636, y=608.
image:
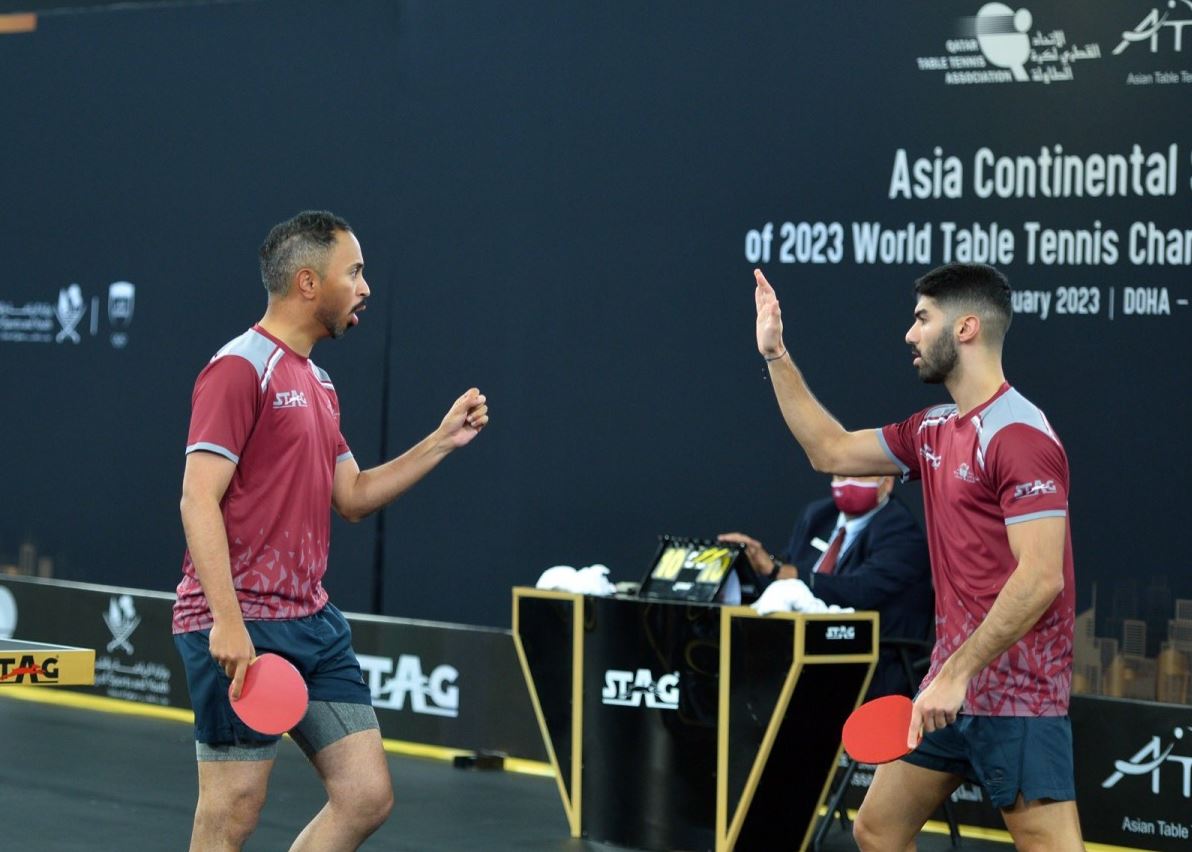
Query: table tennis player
x=266, y=461
x=993, y=706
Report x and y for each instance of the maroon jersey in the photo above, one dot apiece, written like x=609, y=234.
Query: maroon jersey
x=276, y=416
x=997, y=465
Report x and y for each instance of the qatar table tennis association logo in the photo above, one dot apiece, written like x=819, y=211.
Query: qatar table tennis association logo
x=1001, y=44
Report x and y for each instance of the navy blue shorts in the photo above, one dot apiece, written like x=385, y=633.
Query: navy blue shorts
x=1006, y=755
x=319, y=646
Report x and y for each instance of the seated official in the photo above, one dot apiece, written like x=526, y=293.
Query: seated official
x=861, y=548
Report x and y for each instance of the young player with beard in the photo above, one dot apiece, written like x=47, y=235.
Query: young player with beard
x=993, y=707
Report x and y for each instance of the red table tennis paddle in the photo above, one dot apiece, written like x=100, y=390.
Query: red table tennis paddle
x=876, y=731
x=273, y=697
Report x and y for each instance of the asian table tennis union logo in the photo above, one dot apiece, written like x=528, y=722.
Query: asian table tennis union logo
x=71, y=318
x=1160, y=760
x=997, y=46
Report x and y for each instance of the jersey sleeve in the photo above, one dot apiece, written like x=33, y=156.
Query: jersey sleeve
x=224, y=408
x=899, y=440
x=1028, y=470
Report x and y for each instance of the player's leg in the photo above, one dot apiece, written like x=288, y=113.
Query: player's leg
x=359, y=793
x=231, y=794
x=1044, y=826
x=234, y=761
x=1028, y=763
x=900, y=800
x=340, y=736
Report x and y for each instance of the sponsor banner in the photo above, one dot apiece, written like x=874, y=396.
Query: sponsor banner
x=129, y=630
x=1134, y=772
x=632, y=688
x=76, y=315
x=434, y=684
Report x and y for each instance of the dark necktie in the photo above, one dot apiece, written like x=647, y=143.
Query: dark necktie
x=828, y=564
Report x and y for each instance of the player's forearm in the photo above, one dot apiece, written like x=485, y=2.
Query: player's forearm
x=814, y=428
x=207, y=541
x=381, y=485
x=1024, y=599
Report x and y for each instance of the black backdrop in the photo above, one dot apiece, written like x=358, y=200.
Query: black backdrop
x=554, y=204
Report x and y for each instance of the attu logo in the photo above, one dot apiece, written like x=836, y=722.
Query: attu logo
x=121, y=619
x=289, y=399
x=433, y=695
x=1149, y=760
x=16, y=672
x=628, y=689
x=1150, y=26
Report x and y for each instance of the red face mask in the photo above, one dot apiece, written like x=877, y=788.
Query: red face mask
x=854, y=497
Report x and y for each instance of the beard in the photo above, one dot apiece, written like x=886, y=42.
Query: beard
x=336, y=326
x=938, y=361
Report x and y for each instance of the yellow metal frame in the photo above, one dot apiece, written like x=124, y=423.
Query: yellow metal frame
x=572, y=805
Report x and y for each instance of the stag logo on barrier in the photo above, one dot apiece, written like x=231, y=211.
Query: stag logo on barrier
x=841, y=631
x=122, y=619
x=61, y=321
x=1153, y=759
x=631, y=688
x=997, y=46
x=392, y=683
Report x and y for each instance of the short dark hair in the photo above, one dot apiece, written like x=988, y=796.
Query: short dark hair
x=301, y=241
x=973, y=287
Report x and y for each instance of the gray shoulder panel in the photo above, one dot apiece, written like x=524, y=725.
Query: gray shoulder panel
x=1008, y=409
x=321, y=374
x=253, y=347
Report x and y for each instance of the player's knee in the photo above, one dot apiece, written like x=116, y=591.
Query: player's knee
x=231, y=817
x=370, y=804
x=864, y=833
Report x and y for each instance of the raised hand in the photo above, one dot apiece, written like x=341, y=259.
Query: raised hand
x=769, y=318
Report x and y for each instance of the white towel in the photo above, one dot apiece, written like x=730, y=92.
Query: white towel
x=592, y=580
x=792, y=596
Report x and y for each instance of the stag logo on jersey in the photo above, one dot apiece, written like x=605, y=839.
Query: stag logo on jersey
x=1034, y=489
x=289, y=399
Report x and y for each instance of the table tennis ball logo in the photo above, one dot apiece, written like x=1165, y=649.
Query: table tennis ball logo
x=1002, y=34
